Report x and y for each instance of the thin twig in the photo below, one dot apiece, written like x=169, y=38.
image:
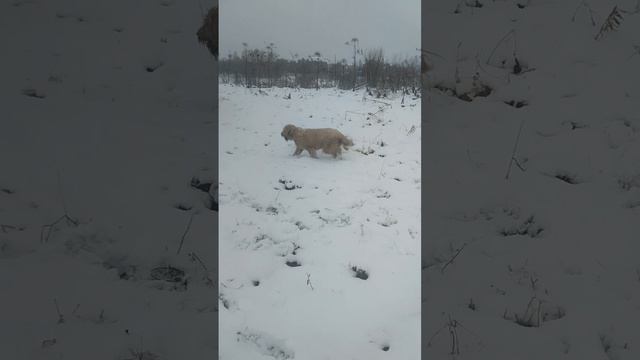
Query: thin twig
x=498, y=44
x=353, y=112
x=186, y=230
x=479, y=66
x=49, y=227
x=515, y=148
x=611, y=23
x=204, y=267
x=452, y=258
x=382, y=102
x=518, y=165
x=60, y=316
x=66, y=216
x=436, y=334
x=309, y=281
x=4, y=227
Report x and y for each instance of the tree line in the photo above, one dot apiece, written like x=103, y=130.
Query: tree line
x=263, y=67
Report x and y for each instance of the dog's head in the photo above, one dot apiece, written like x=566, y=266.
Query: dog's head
x=348, y=141
x=287, y=132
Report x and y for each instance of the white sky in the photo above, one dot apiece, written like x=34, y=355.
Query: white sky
x=307, y=26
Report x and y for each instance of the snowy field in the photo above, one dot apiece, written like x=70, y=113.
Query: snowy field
x=319, y=258
x=108, y=112
x=544, y=264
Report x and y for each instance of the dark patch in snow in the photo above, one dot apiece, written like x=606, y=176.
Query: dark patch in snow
x=202, y=186
x=182, y=206
x=8, y=191
x=169, y=274
x=367, y=151
x=271, y=210
x=293, y=263
x=296, y=247
x=555, y=313
x=472, y=305
x=339, y=220
x=535, y=314
x=265, y=344
x=225, y=302
x=289, y=185
x=78, y=18
x=528, y=227
x=255, y=282
x=5, y=228
x=566, y=177
x=627, y=183
x=261, y=238
x=517, y=104
x=359, y=273
x=385, y=348
x=610, y=347
x=482, y=90
x=632, y=204
x=125, y=271
x=388, y=221
x=33, y=93
x=301, y=226
x=574, y=125
x=498, y=290
x=517, y=68
x=154, y=67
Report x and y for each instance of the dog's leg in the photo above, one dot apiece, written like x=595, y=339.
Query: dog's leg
x=298, y=151
x=313, y=154
x=330, y=149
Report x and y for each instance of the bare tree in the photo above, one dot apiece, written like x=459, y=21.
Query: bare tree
x=373, y=66
x=317, y=57
x=263, y=67
x=354, y=42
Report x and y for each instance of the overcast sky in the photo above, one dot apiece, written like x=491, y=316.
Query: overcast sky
x=307, y=26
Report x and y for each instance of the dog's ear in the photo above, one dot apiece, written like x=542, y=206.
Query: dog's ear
x=287, y=132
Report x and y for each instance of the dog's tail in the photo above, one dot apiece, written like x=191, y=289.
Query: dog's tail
x=346, y=142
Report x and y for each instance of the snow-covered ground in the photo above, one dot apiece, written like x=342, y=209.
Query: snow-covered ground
x=319, y=258
x=544, y=264
x=108, y=110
